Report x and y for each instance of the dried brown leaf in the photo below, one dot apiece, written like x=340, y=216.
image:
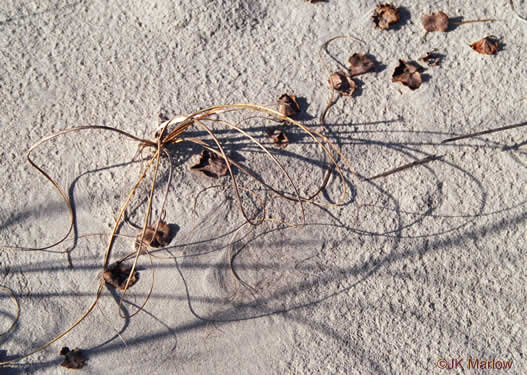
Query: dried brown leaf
x=73, y=359
x=161, y=238
x=288, y=105
x=385, y=15
x=435, y=22
x=486, y=46
x=117, y=275
x=211, y=165
x=342, y=83
x=360, y=64
x=408, y=75
x=431, y=59
x=278, y=137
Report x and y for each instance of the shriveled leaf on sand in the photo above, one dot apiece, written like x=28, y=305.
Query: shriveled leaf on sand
x=486, y=46
x=161, y=238
x=431, y=59
x=435, y=22
x=278, y=137
x=288, y=106
x=359, y=63
x=385, y=15
x=316, y=1
x=211, y=165
x=408, y=75
x=73, y=359
x=341, y=82
x=117, y=274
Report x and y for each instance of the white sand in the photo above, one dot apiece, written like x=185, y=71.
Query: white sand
x=422, y=265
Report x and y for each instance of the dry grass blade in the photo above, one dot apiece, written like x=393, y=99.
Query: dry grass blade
x=406, y=166
x=489, y=131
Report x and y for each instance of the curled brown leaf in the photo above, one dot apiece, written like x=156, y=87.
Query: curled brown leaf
x=359, y=63
x=288, y=106
x=117, y=275
x=73, y=359
x=435, y=22
x=211, y=165
x=153, y=238
x=486, y=46
x=431, y=59
x=385, y=15
x=341, y=82
x=278, y=137
x=408, y=75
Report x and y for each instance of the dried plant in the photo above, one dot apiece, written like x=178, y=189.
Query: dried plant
x=155, y=232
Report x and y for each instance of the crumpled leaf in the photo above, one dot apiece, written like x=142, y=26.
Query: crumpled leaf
x=360, y=64
x=486, y=46
x=278, y=137
x=161, y=238
x=117, y=274
x=288, y=105
x=211, y=165
x=342, y=83
x=435, y=22
x=385, y=15
x=431, y=59
x=408, y=75
x=73, y=359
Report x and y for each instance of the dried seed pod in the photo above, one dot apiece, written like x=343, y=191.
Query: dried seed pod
x=161, y=238
x=360, y=64
x=408, y=75
x=117, y=275
x=73, y=359
x=342, y=83
x=431, y=59
x=288, y=105
x=486, y=46
x=435, y=22
x=385, y=15
x=211, y=165
x=278, y=137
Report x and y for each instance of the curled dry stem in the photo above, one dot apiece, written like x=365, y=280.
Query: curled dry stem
x=173, y=136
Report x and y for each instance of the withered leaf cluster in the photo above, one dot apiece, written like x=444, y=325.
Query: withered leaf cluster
x=385, y=15
x=278, y=137
x=153, y=238
x=73, y=359
x=408, y=75
x=360, y=63
x=486, y=46
x=117, y=275
x=288, y=106
x=435, y=22
x=211, y=165
x=342, y=83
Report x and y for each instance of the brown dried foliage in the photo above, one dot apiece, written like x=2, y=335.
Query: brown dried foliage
x=385, y=15
x=435, y=22
x=408, y=75
x=359, y=63
x=486, y=46
x=117, y=275
x=431, y=59
x=211, y=165
x=341, y=82
x=288, y=106
x=73, y=359
x=153, y=238
x=279, y=137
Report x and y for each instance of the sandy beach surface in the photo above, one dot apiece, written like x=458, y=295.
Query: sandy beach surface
x=415, y=272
